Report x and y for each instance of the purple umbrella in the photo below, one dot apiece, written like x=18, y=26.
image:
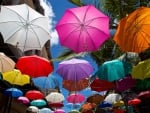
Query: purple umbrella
x=74, y=69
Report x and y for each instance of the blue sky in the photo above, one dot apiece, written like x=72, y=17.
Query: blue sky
x=56, y=10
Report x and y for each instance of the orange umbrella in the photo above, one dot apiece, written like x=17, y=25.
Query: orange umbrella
x=72, y=85
x=96, y=98
x=132, y=34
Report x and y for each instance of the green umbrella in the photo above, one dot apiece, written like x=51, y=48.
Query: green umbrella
x=143, y=84
x=74, y=111
x=114, y=70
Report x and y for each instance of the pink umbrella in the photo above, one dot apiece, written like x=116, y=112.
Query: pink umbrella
x=75, y=98
x=74, y=69
x=59, y=111
x=87, y=28
x=23, y=100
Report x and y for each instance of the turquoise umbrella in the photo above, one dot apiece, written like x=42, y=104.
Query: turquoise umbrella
x=114, y=70
x=38, y=103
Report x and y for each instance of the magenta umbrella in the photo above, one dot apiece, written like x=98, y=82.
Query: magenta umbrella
x=75, y=98
x=86, y=29
x=74, y=69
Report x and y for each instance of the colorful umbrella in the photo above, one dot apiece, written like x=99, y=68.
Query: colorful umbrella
x=75, y=98
x=125, y=83
x=74, y=69
x=101, y=85
x=95, y=98
x=43, y=82
x=113, y=97
x=141, y=70
x=6, y=63
x=34, y=65
x=15, y=77
x=46, y=110
x=88, y=106
x=13, y=92
x=143, y=84
x=55, y=97
x=114, y=70
x=75, y=85
x=74, y=111
x=132, y=34
x=59, y=111
x=23, y=99
x=34, y=94
x=38, y=103
x=73, y=105
x=56, y=105
x=32, y=109
x=144, y=95
x=87, y=28
x=26, y=29
x=134, y=101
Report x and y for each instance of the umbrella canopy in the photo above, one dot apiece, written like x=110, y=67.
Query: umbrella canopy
x=34, y=65
x=56, y=105
x=132, y=34
x=13, y=92
x=114, y=70
x=38, y=103
x=15, y=77
x=75, y=98
x=141, y=70
x=143, y=84
x=134, y=101
x=144, y=95
x=88, y=106
x=75, y=85
x=59, y=111
x=87, y=28
x=125, y=83
x=34, y=94
x=46, y=110
x=96, y=98
x=32, y=109
x=55, y=97
x=113, y=97
x=43, y=82
x=26, y=29
x=101, y=85
x=6, y=63
x=74, y=111
x=23, y=99
x=74, y=69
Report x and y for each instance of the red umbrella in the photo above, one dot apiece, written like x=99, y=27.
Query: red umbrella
x=34, y=94
x=101, y=85
x=56, y=105
x=34, y=65
x=75, y=85
x=134, y=101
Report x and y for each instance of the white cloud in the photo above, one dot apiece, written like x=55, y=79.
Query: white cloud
x=50, y=13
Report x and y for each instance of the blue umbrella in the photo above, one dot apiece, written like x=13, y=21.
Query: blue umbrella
x=43, y=82
x=13, y=92
x=114, y=70
x=46, y=110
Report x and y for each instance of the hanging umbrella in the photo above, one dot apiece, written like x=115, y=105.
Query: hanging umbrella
x=74, y=69
x=141, y=70
x=73, y=105
x=34, y=94
x=125, y=83
x=34, y=65
x=113, y=97
x=59, y=111
x=43, y=82
x=15, y=77
x=32, y=109
x=114, y=70
x=134, y=101
x=75, y=85
x=46, y=110
x=87, y=29
x=55, y=97
x=6, y=63
x=13, y=92
x=56, y=105
x=26, y=29
x=101, y=85
x=88, y=106
x=143, y=84
x=75, y=98
x=144, y=95
x=23, y=99
x=74, y=111
x=38, y=103
x=132, y=34
x=95, y=98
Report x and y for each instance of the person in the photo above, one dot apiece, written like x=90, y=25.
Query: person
x=32, y=109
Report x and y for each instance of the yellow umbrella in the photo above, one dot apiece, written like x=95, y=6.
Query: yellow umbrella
x=6, y=63
x=141, y=70
x=15, y=77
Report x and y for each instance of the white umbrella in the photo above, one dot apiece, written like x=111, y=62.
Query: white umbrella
x=55, y=97
x=23, y=27
x=113, y=97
